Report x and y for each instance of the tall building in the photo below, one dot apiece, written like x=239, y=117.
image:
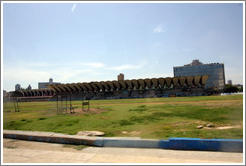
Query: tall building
x=121, y=77
x=215, y=71
x=17, y=87
x=229, y=82
x=44, y=85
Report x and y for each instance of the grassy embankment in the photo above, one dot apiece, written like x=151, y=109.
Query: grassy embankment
x=146, y=118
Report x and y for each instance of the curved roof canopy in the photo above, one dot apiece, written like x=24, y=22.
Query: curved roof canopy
x=155, y=82
x=117, y=85
x=131, y=84
x=34, y=92
x=175, y=81
x=148, y=82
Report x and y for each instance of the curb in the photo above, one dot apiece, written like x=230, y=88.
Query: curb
x=129, y=143
x=49, y=137
x=224, y=145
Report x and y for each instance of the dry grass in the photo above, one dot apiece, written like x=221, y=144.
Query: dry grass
x=147, y=118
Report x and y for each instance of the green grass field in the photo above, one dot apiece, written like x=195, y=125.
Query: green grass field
x=159, y=118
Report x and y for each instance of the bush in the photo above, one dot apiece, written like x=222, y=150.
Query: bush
x=231, y=89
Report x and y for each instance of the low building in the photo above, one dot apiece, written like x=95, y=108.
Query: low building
x=121, y=77
x=17, y=87
x=229, y=82
x=44, y=85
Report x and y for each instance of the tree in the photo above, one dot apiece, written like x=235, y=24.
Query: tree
x=241, y=89
x=231, y=89
x=29, y=87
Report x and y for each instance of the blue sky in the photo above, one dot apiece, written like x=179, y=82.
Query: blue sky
x=84, y=42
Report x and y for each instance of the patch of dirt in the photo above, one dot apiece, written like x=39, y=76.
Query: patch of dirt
x=181, y=124
x=219, y=104
x=79, y=111
x=178, y=102
x=132, y=133
x=224, y=127
x=90, y=133
x=38, y=105
x=228, y=127
x=135, y=132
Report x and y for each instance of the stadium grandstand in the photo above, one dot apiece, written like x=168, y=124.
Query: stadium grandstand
x=135, y=88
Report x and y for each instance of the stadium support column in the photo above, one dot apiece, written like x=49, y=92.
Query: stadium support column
x=18, y=109
x=66, y=103
x=82, y=103
x=71, y=107
x=57, y=103
x=15, y=100
x=70, y=103
x=62, y=103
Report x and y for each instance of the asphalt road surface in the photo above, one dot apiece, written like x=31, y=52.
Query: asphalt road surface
x=17, y=151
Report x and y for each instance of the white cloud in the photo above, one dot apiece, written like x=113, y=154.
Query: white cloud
x=23, y=76
x=28, y=75
x=150, y=75
x=38, y=64
x=20, y=73
x=125, y=67
x=72, y=64
x=94, y=64
x=32, y=73
x=128, y=67
x=73, y=8
x=159, y=29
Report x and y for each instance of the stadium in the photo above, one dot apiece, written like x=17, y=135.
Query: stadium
x=194, y=79
x=135, y=88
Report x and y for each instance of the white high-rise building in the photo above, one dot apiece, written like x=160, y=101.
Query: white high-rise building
x=215, y=71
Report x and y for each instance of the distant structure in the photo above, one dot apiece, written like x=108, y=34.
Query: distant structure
x=134, y=88
x=17, y=87
x=188, y=80
x=195, y=62
x=44, y=85
x=121, y=77
x=5, y=96
x=239, y=86
x=4, y=93
x=29, y=87
x=215, y=71
x=229, y=82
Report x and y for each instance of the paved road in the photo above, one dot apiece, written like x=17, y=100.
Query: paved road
x=17, y=151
